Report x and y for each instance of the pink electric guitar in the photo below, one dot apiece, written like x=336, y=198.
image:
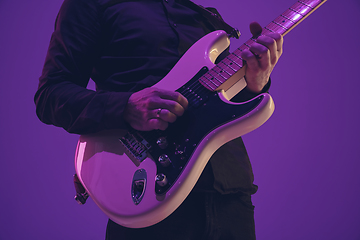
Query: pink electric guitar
x=139, y=178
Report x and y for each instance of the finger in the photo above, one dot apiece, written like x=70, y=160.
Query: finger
x=175, y=96
x=271, y=45
x=278, y=38
x=279, y=41
x=167, y=116
x=258, y=56
x=255, y=29
x=157, y=123
x=164, y=114
x=250, y=59
x=173, y=106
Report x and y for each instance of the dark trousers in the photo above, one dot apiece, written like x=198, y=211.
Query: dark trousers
x=202, y=216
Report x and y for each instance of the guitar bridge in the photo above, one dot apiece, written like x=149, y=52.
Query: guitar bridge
x=136, y=145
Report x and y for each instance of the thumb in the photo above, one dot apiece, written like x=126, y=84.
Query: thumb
x=255, y=29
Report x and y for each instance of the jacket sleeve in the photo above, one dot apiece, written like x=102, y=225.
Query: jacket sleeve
x=62, y=98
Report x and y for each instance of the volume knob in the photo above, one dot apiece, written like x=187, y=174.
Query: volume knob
x=161, y=180
x=164, y=160
x=162, y=142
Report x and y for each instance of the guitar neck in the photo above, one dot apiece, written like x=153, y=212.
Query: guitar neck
x=217, y=78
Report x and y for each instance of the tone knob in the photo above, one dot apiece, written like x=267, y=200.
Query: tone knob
x=162, y=142
x=164, y=160
x=161, y=180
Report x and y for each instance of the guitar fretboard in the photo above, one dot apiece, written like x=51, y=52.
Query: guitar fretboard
x=224, y=70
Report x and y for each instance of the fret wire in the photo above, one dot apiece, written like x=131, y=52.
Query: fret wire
x=204, y=80
x=236, y=55
x=312, y=4
x=206, y=83
x=220, y=73
x=287, y=18
x=276, y=28
x=211, y=79
x=233, y=54
x=304, y=3
x=229, y=65
x=268, y=29
x=211, y=82
x=232, y=63
x=249, y=42
x=291, y=14
x=280, y=25
x=296, y=11
x=226, y=68
x=222, y=69
x=301, y=8
x=284, y=22
x=195, y=85
x=198, y=87
x=226, y=74
x=214, y=78
x=246, y=45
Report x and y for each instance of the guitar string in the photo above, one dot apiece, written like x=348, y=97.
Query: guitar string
x=198, y=87
x=201, y=89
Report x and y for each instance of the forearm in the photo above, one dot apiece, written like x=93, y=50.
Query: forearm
x=79, y=110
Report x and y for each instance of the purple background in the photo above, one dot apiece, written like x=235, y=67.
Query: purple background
x=305, y=158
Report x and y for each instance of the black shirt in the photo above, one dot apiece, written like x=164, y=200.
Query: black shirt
x=125, y=46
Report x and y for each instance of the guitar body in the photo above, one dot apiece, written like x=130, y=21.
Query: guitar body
x=140, y=178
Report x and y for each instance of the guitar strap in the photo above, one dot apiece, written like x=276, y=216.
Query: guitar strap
x=210, y=14
x=213, y=16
